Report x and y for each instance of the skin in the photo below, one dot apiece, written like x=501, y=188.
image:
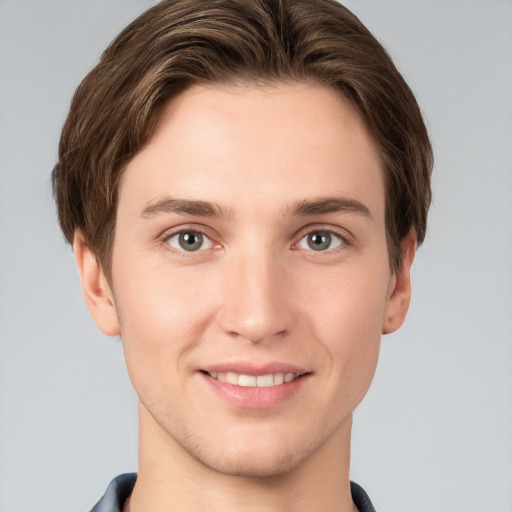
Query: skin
x=256, y=291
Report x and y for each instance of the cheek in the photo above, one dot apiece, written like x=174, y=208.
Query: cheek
x=346, y=302
x=346, y=316
x=162, y=314
x=159, y=299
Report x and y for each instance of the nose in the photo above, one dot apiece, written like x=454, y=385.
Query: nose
x=256, y=297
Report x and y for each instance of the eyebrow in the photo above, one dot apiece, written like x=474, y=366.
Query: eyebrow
x=170, y=205
x=314, y=206
x=323, y=205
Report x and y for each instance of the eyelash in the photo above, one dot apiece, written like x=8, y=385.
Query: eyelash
x=345, y=239
x=197, y=230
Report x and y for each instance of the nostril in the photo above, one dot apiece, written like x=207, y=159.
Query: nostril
x=259, y=337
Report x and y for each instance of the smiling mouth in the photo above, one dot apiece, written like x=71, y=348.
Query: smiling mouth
x=252, y=381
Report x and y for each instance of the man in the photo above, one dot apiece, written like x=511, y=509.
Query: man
x=244, y=185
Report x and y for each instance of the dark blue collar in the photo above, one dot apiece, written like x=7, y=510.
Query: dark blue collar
x=121, y=487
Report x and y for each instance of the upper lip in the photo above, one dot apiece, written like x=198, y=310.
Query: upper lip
x=254, y=368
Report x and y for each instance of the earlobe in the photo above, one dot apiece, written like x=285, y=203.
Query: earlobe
x=97, y=293
x=399, y=297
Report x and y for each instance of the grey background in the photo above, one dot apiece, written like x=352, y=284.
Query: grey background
x=435, y=431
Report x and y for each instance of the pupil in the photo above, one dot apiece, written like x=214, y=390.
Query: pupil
x=319, y=241
x=191, y=241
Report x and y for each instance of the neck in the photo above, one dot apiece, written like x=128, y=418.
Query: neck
x=171, y=480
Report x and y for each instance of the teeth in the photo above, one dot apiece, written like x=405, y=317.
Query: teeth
x=231, y=378
x=248, y=381
x=278, y=378
x=252, y=381
x=265, y=381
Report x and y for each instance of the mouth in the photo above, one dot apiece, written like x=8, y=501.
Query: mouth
x=268, y=380
x=256, y=385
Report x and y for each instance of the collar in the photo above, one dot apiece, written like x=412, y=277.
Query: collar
x=122, y=486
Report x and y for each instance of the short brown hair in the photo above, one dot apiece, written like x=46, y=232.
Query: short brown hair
x=178, y=43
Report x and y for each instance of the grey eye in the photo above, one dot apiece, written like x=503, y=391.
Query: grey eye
x=189, y=241
x=320, y=241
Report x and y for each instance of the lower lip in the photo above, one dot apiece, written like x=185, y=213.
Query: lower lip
x=254, y=397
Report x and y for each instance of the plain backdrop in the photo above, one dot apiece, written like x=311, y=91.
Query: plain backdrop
x=434, y=432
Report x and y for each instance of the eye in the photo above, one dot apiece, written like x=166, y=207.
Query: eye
x=190, y=241
x=320, y=241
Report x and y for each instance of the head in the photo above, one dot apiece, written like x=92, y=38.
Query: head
x=245, y=183
x=179, y=43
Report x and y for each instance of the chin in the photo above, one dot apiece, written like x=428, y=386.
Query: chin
x=253, y=466
x=252, y=460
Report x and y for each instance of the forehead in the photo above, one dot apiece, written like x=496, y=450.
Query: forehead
x=279, y=143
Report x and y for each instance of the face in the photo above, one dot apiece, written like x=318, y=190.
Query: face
x=250, y=275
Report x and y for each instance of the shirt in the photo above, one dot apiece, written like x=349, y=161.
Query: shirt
x=121, y=487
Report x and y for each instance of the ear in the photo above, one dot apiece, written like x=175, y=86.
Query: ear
x=98, y=295
x=399, y=296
